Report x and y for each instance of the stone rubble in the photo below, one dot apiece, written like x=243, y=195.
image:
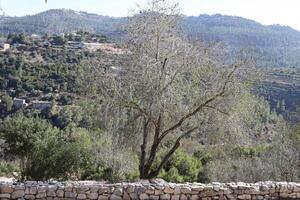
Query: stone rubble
x=153, y=191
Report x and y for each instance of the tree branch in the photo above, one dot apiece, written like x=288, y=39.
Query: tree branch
x=199, y=107
x=170, y=153
x=143, y=147
x=134, y=105
x=217, y=109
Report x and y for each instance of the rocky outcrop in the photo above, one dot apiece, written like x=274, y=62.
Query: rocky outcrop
x=152, y=191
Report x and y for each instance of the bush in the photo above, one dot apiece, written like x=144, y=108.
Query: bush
x=60, y=157
x=45, y=151
x=182, y=167
x=8, y=168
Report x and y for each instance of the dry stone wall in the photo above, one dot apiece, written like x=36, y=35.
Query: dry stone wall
x=153, y=191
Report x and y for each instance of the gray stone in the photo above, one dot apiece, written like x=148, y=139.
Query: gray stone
x=51, y=194
x=103, y=197
x=41, y=195
x=6, y=189
x=165, y=197
x=143, y=196
x=94, y=189
x=194, y=197
x=175, y=197
x=197, y=188
x=183, y=197
x=244, y=196
x=118, y=192
x=29, y=196
x=93, y=196
x=186, y=190
x=115, y=197
x=33, y=190
x=126, y=196
x=17, y=194
x=81, y=196
x=52, y=188
x=5, y=196
x=41, y=189
x=158, y=192
x=70, y=195
x=68, y=188
x=149, y=191
x=169, y=190
x=20, y=187
x=153, y=197
x=103, y=190
x=60, y=193
x=82, y=189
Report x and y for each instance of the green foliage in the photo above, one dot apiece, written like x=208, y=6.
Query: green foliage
x=45, y=151
x=252, y=151
x=6, y=104
x=59, y=40
x=8, y=168
x=16, y=38
x=182, y=167
x=61, y=157
x=21, y=134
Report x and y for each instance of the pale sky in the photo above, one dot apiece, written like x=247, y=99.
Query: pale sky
x=284, y=12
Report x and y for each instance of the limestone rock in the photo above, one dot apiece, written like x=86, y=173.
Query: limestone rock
x=29, y=196
x=115, y=197
x=60, y=193
x=5, y=196
x=17, y=194
x=165, y=197
x=186, y=190
x=118, y=192
x=175, y=197
x=103, y=197
x=93, y=196
x=143, y=196
x=153, y=197
x=6, y=189
x=70, y=195
x=244, y=196
x=169, y=190
x=81, y=196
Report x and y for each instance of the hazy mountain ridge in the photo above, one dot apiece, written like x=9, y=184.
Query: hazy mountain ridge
x=273, y=45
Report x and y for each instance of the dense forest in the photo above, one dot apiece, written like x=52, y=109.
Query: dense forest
x=165, y=101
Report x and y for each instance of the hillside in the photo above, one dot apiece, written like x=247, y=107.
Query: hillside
x=60, y=21
x=274, y=45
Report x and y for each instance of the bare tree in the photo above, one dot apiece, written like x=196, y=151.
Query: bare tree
x=169, y=85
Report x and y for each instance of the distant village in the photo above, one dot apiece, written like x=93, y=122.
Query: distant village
x=20, y=44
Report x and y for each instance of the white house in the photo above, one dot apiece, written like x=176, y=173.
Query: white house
x=4, y=46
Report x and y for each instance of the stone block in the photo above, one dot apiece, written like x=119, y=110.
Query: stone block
x=17, y=194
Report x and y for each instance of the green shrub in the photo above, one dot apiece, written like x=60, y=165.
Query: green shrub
x=8, y=168
x=45, y=151
x=182, y=167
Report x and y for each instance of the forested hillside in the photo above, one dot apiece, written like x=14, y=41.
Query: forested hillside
x=274, y=45
x=60, y=21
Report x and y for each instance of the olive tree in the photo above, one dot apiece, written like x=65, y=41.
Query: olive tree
x=169, y=85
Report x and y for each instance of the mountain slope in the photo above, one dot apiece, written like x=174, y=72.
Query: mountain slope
x=58, y=21
x=272, y=46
